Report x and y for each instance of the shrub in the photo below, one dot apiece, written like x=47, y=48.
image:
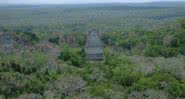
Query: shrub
x=49, y=95
x=29, y=36
x=144, y=84
x=97, y=75
x=160, y=76
x=54, y=40
x=30, y=96
x=174, y=66
x=182, y=50
x=177, y=89
x=159, y=50
x=25, y=64
x=75, y=56
x=153, y=51
x=66, y=53
x=12, y=84
x=156, y=80
x=77, y=60
x=114, y=94
x=113, y=60
x=148, y=94
x=68, y=86
x=99, y=89
x=85, y=96
x=128, y=44
x=182, y=23
x=125, y=75
x=36, y=84
x=2, y=97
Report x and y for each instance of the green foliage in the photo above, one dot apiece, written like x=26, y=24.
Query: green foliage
x=144, y=83
x=33, y=74
x=29, y=36
x=32, y=63
x=155, y=81
x=166, y=42
x=25, y=38
x=177, y=89
x=153, y=51
x=75, y=56
x=6, y=66
x=97, y=90
x=157, y=50
x=94, y=73
x=182, y=50
x=160, y=81
x=54, y=40
x=105, y=17
x=36, y=85
x=12, y=84
x=109, y=57
x=125, y=75
x=24, y=74
x=182, y=23
x=66, y=54
x=113, y=59
x=179, y=36
x=77, y=60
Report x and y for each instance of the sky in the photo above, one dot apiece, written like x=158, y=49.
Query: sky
x=73, y=1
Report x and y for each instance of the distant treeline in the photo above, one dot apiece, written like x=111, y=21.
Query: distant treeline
x=82, y=17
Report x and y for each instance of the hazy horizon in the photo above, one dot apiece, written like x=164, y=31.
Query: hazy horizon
x=78, y=1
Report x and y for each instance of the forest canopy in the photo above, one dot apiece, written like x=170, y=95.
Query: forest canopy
x=144, y=52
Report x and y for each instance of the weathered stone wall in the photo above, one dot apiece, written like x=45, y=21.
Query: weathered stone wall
x=94, y=46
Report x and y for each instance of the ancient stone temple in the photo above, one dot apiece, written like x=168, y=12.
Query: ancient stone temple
x=94, y=46
x=6, y=42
